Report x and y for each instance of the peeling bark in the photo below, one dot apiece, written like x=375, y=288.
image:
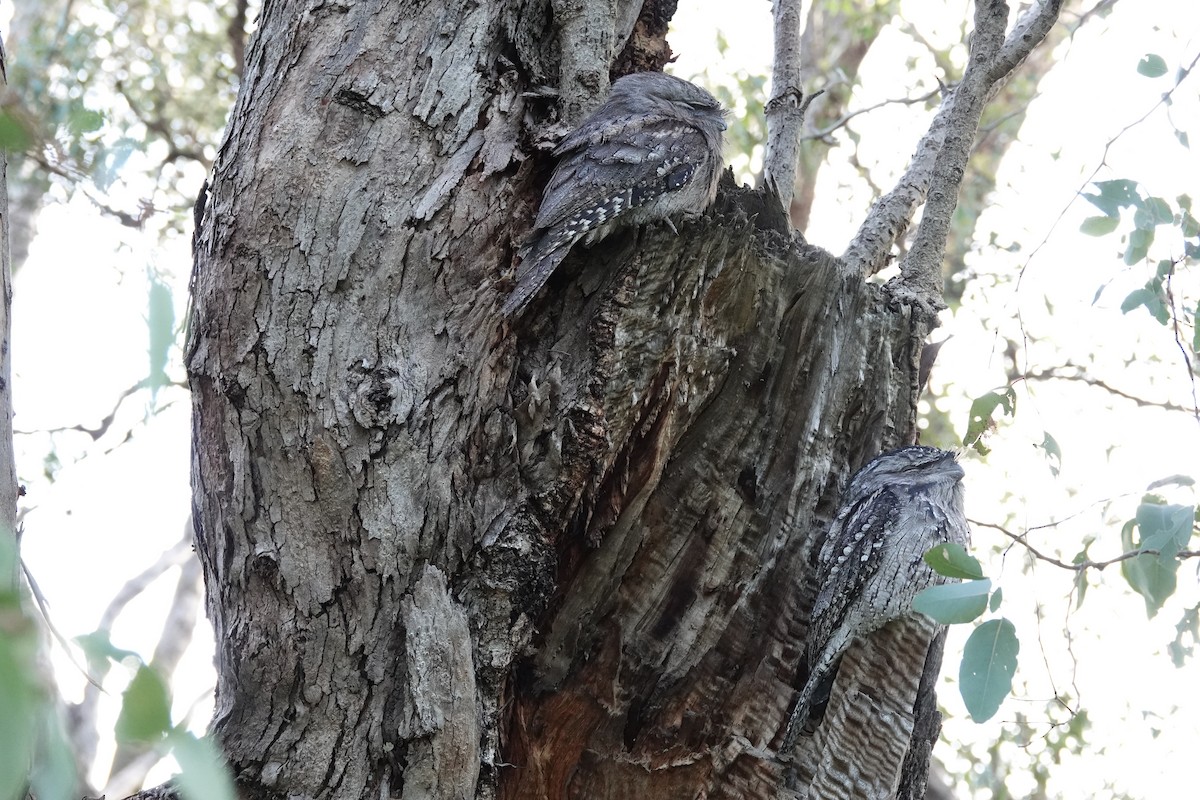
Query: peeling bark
x=446, y=557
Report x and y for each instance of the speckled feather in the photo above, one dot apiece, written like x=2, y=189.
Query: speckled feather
x=896, y=508
x=650, y=152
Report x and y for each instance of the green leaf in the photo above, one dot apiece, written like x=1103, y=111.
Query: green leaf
x=204, y=775
x=1152, y=66
x=953, y=561
x=1154, y=211
x=1172, y=480
x=1140, y=240
x=997, y=599
x=145, y=709
x=980, y=419
x=1053, y=452
x=1114, y=195
x=1196, y=329
x=1189, y=225
x=1151, y=300
x=950, y=603
x=1146, y=574
x=19, y=699
x=53, y=773
x=161, y=325
x=1099, y=226
x=988, y=665
x=1189, y=623
x=84, y=120
x=1081, y=583
x=1165, y=528
x=14, y=136
x=109, y=165
x=98, y=647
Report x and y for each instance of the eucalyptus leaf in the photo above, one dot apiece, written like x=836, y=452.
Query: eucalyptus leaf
x=204, y=774
x=952, y=560
x=952, y=603
x=988, y=665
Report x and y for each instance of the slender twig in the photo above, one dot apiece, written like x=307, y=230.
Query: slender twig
x=1183, y=350
x=1086, y=563
x=1081, y=377
x=43, y=606
x=845, y=118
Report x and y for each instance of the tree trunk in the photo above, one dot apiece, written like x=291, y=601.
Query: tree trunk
x=450, y=556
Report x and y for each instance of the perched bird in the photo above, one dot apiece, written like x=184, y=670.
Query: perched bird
x=900, y=505
x=651, y=151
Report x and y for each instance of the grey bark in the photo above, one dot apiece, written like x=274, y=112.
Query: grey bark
x=448, y=557
x=785, y=112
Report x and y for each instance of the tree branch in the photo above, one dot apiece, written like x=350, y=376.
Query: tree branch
x=785, y=111
x=1019, y=538
x=1081, y=376
x=849, y=115
x=237, y=37
x=937, y=167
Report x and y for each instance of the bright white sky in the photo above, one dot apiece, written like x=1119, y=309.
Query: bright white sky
x=80, y=337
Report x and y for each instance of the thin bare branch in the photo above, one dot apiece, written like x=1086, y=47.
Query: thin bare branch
x=1080, y=376
x=845, y=118
x=43, y=607
x=1183, y=348
x=1020, y=539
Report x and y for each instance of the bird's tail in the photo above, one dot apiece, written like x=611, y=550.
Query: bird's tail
x=536, y=267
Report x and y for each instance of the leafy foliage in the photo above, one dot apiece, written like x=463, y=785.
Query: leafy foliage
x=747, y=125
x=1150, y=214
x=990, y=656
x=103, y=86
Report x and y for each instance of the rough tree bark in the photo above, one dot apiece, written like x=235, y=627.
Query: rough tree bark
x=446, y=557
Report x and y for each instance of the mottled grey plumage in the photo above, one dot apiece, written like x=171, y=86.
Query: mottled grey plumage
x=897, y=507
x=651, y=151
